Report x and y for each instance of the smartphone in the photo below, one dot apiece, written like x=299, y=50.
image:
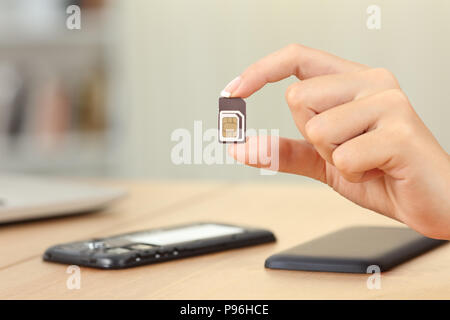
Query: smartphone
x=354, y=250
x=156, y=245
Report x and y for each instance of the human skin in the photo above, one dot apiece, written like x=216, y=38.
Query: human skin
x=362, y=136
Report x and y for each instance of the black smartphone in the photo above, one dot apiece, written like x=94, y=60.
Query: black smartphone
x=354, y=250
x=156, y=245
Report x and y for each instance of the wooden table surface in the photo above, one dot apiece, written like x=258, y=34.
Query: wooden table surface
x=295, y=213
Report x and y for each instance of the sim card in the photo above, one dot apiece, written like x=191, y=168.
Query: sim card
x=231, y=120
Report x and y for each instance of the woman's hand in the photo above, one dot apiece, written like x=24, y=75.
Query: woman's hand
x=363, y=137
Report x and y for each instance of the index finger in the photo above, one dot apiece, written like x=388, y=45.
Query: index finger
x=295, y=59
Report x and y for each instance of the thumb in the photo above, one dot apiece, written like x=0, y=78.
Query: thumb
x=280, y=154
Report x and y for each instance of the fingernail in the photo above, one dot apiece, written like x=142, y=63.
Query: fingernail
x=232, y=86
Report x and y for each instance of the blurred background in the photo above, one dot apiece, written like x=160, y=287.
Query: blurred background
x=105, y=99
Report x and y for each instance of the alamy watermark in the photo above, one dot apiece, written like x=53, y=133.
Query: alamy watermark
x=73, y=21
x=374, y=19
x=374, y=280
x=74, y=280
x=203, y=147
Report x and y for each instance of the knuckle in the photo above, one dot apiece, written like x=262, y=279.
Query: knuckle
x=315, y=131
x=294, y=47
x=403, y=132
x=295, y=96
x=384, y=76
x=397, y=97
x=342, y=160
x=399, y=102
x=291, y=93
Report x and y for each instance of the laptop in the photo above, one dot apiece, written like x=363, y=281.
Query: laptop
x=29, y=198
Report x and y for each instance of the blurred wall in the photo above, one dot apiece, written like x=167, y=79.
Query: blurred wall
x=176, y=56
x=54, y=115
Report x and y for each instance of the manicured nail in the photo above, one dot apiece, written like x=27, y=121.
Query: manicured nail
x=232, y=86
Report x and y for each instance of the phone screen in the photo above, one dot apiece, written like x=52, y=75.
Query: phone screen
x=183, y=234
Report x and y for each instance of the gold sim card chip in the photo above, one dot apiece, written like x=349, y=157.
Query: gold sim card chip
x=232, y=120
x=230, y=127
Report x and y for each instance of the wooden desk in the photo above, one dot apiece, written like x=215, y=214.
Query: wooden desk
x=295, y=213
